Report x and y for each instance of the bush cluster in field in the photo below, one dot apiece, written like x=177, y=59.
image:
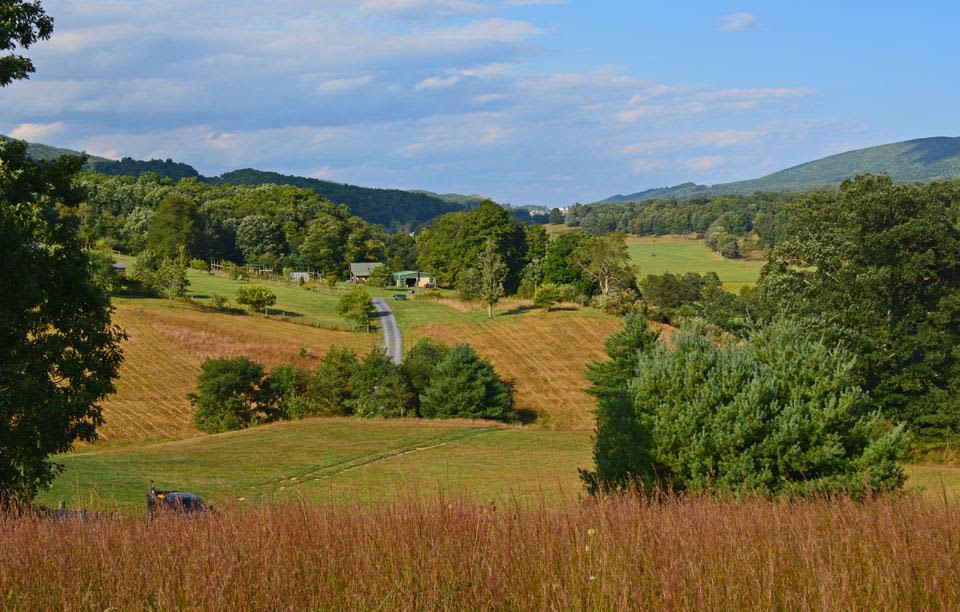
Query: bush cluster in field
x=433, y=381
x=620, y=553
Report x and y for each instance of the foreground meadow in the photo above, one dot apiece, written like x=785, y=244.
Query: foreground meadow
x=694, y=553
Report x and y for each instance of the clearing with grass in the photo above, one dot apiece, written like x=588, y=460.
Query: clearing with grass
x=682, y=254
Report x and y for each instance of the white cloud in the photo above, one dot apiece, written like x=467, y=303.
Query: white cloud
x=719, y=139
x=736, y=22
x=339, y=85
x=422, y=8
x=436, y=82
x=36, y=132
x=705, y=162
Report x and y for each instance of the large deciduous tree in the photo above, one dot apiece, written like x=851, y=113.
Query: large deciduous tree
x=175, y=227
x=21, y=25
x=875, y=266
x=59, y=352
x=606, y=261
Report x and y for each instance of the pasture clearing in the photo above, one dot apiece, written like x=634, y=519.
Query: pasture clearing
x=168, y=340
x=682, y=254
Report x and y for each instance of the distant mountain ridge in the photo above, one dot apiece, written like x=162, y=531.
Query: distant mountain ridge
x=920, y=160
x=392, y=208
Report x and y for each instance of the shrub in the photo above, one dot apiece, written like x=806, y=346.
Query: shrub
x=228, y=394
x=466, y=386
x=547, y=295
x=199, y=264
x=526, y=290
x=356, y=306
x=257, y=297
x=777, y=415
x=219, y=302
x=379, y=387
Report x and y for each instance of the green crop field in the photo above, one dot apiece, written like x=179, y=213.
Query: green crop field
x=335, y=459
x=679, y=255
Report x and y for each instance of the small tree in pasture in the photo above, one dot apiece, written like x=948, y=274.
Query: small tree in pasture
x=257, y=297
x=492, y=274
x=356, y=306
x=546, y=296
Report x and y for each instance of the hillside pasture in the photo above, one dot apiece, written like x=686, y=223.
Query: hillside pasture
x=545, y=354
x=168, y=340
x=336, y=460
x=682, y=254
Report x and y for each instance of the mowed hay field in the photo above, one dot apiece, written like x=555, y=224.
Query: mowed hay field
x=544, y=353
x=167, y=343
x=682, y=254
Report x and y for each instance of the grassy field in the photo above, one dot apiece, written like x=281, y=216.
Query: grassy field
x=683, y=553
x=338, y=460
x=679, y=255
x=352, y=460
x=167, y=343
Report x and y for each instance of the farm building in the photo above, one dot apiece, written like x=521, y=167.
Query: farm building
x=120, y=268
x=413, y=278
x=360, y=272
x=300, y=276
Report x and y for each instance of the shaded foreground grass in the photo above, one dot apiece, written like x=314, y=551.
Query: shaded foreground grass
x=693, y=553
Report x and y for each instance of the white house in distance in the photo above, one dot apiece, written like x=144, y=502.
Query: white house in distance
x=360, y=272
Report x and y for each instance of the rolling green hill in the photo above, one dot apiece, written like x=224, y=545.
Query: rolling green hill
x=388, y=207
x=921, y=160
x=392, y=208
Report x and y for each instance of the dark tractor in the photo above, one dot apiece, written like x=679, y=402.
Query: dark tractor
x=176, y=502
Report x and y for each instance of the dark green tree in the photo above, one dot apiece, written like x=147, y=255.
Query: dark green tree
x=558, y=266
x=465, y=386
x=493, y=272
x=875, y=266
x=286, y=390
x=775, y=415
x=331, y=388
x=59, y=351
x=174, y=227
x=419, y=365
x=621, y=450
x=21, y=25
x=556, y=216
x=380, y=388
x=229, y=395
x=257, y=237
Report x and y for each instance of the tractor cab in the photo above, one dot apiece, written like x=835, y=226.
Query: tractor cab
x=178, y=502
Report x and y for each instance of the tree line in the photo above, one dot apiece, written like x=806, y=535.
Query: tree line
x=432, y=381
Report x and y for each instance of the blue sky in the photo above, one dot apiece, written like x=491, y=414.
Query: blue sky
x=525, y=101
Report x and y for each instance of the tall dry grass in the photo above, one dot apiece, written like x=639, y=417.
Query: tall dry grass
x=698, y=553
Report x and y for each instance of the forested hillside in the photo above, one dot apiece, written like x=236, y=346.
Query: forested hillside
x=391, y=208
x=921, y=160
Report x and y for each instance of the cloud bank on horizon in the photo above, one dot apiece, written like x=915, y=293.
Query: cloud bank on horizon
x=527, y=101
